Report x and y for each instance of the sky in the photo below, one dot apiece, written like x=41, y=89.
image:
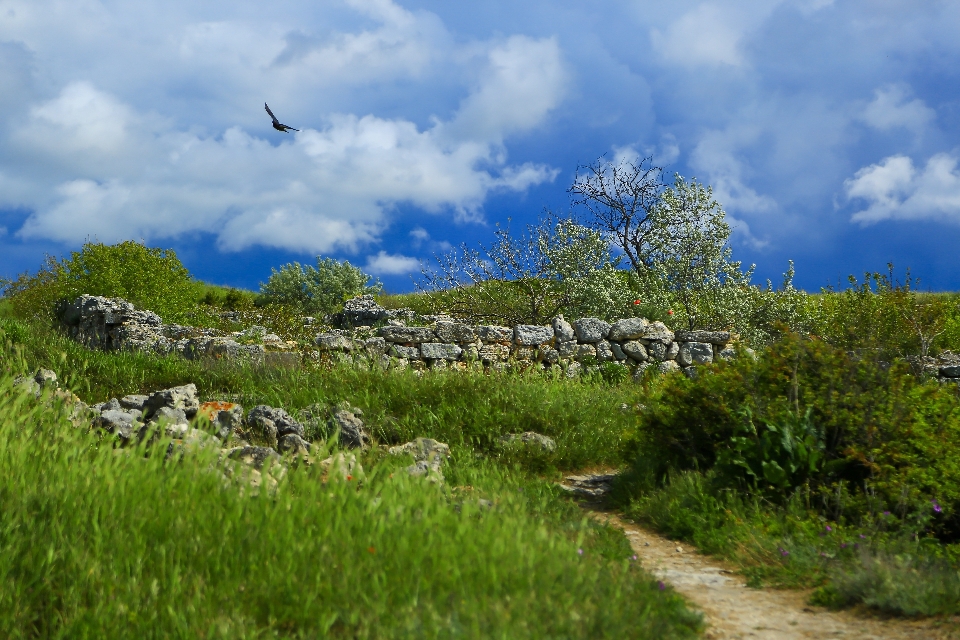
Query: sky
x=829, y=130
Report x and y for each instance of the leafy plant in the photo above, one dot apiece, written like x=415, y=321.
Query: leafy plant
x=316, y=290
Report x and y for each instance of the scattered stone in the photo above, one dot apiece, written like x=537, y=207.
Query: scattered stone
x=350, y=428
x=269, y=424
x=591, y=329
x=183, y=397
x=591, y=485
x=530, y=438
x=255, y=457
x=428, y=455
x=134, y=402
x=331, y=341
x=292, y=443
x=224, y=417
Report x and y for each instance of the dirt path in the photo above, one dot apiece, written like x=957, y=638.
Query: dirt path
x=733, y=610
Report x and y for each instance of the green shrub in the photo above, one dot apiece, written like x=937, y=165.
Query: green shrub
x=316, y=290
x=150, y=278
x=883, y=439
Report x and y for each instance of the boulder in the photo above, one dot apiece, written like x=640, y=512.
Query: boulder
x=668, y=366
x=428, y=455
x=720, y=338
x=532, y=439
x=691, y=353
x=618, y=351
x=183, y=397
x=567, y=349
x=662, y=352
x=359, y=311
x=224, y=417
x=333, y=342
x=375, y=347
x=407, y=335
x=531, y=335
x=292, y=443
x=562, y=330
x=549, y=355
x=657, y=331
x=635, y=350
x=591, y=329
x=604, y=352
x=584, y=351
x=440, y=351
x=268, y=424
x=256, y=457
x=350, y=428
x=400, y=351
x=628, y=329
x=134, y=402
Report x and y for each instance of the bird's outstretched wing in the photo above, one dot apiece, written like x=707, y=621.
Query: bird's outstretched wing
x=275, y=121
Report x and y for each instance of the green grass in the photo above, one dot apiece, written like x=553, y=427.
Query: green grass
x=97, y=542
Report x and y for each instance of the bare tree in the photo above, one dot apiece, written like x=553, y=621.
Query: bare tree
x=621, y=197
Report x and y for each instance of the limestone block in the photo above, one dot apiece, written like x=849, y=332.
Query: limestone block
x=440, y=351
x=494, y=352
x=668, y=366
x=618, y=352
x=454, y=332
x=532, y=335
x=567, y=349
x=414, y=335
x=628, y=329
x=713, y=337
x=562, y=330
x=604, y=352
x=591, y=329
x=494, y=334
x=585, y=351
x=635, y=350
x=408, y=353
x=657, y=331
x=691, y=353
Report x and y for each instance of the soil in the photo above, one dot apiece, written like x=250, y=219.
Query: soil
x=733, y=610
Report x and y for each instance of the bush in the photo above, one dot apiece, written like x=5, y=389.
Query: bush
x=878, y=438
x=150, y=278
x=316, y=290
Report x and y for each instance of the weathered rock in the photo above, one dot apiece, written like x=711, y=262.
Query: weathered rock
x=660, y=351
x=591, y=329
x=358, y=311
x=292, y=443
x=121, y=424
x=593, y=485
x=333, y=342
x=549, y=355
x=562, y=330
x=657, y=331
x=350, y=428
x=224, y=417
x=567, y=349
x=169, y=416
x=694, y=353
x=256, y=457
x=134, y=402
x=407, y=335
x=668, y=366
x=690, y=372
x=183, y=397
x=618, y=351
x=344, y=466
x=573, y=370
x=495, y=334
x=635, y=350
x=531, y=335
x=428, y=455
x=493, y=353
x=727, y=353
x=950, y=371
x=584, y=351
x=454, y=332
x=400, y=351
x=440, y=351
x=628, y=329
x=604, y=352
x=375, y=347
x=532, y=439
x=269, y=424
x=720, y=338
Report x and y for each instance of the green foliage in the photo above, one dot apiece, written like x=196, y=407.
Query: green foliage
x=316, y=290
x=227, y=298
x=779, y=455
x=150, y=278
x=884, y=436
x=557, y=266
x=117, y=543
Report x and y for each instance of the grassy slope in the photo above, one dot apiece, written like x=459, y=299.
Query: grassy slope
x=100, y=543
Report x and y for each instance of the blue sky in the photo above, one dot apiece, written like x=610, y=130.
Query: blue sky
x=830, y=130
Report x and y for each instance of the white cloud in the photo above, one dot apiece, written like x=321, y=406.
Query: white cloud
x=895, y=189
x=890, y=108
x=98, y=167
x=419, y=235
x=716, y=155
x=384, y=264
x=706, y=35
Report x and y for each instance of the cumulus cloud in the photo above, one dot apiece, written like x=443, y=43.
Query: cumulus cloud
x=897, y=190
x=891, y=108
x=384, y=264
x=706, y=35
x=97, y=166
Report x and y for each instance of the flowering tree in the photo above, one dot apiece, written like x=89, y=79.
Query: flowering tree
x=318, y=290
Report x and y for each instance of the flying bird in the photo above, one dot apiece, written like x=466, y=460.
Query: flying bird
x=282, y=128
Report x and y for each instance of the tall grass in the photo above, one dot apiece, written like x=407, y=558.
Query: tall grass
x=104, y=543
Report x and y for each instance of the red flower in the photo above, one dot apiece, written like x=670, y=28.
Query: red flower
x=636, y=302
x=371, y=549
x=670, y=313
x=349, y=477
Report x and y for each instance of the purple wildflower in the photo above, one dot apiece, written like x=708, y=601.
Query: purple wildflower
x=579, y=552
x=661, y=586
x=829, y=528
x=936, y=506
x=634, y=557
x=783, y=552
